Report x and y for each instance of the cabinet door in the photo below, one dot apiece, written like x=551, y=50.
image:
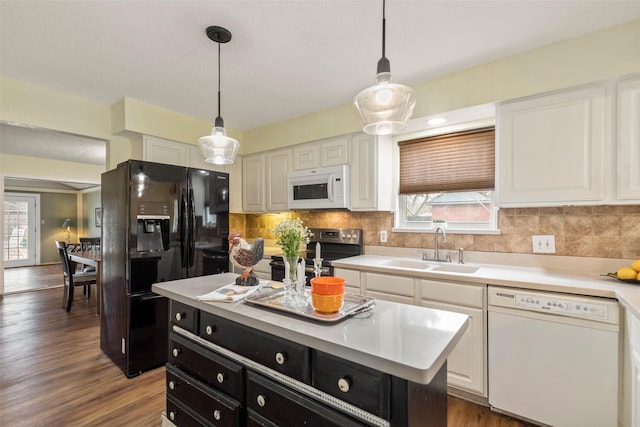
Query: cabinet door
x=305, y=156
x=278, y=164
x=395, y=285
x=551, y=149
x=466, y=363
x=352, y=279
x=371, y=173
x=253, y=184
x=164, y=151
x=334, y=151
x=635, y=387
x=629, y=140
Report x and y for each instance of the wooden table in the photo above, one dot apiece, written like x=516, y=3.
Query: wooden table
x=91, y=258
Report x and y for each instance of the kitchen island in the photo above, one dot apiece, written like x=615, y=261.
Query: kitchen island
x=237, y=364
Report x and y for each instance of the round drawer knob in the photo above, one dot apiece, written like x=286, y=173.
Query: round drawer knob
x=220, y=377
x=209, y=330
x=217, y=414
x=176, y=352
x=262, y=400
x=280, y=358
x=179, y=316
x=344, y=384
x=172, y=385
x=172, y=416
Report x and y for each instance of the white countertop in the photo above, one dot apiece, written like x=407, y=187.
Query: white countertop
x=545, y=279
x=406, y=341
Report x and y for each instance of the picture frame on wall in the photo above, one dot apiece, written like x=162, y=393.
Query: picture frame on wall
x=98, y=217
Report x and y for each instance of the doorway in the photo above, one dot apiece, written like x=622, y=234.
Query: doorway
x=21, y=229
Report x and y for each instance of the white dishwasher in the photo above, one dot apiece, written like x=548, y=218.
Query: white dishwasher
x=553, y=357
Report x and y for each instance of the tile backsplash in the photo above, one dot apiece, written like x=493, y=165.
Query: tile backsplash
x=583, y=231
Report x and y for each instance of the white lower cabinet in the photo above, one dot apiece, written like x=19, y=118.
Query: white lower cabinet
x=352, y=280
x=388, y=287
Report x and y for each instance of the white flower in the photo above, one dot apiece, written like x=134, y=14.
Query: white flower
x=291, y=235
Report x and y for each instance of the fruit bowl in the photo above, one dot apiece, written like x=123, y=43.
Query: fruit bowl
x=327, y=303
x=615, y=276
x=327, y=285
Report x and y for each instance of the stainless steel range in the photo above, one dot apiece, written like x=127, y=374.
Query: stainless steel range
x=335, y=243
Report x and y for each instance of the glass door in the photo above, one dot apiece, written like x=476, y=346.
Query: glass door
x=21, y=226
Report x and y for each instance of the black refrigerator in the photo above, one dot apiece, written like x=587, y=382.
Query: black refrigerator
x=159, y=223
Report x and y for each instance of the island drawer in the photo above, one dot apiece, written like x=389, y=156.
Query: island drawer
x=358, y=385
x=211, y=368
x=284, y=356
x=181, y=416
x=184, y=316
x=282, y=406
x=213, y=406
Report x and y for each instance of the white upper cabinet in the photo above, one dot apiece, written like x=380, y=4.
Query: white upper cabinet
x=253, y=183
x=323, y=153
x=552, y=148
x=371, y=168
x=165, y=151
x=278, y=164
x=629, y=139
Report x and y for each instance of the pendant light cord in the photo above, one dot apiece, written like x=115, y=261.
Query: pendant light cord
x=219, y=122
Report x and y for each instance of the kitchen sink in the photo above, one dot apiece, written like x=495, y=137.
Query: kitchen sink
x=456, y=268
x=415, y=264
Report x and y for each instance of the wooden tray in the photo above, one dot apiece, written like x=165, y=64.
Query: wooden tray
x=615, y=276
x=353, y=304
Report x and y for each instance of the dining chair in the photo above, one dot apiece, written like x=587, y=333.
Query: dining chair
x=72, y=278
x=87, y=244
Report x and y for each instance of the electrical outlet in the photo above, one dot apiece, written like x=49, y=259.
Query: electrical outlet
x=544, y=244
x=383, y=236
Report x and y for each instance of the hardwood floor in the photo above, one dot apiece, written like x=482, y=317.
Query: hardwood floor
x=22, y=279
x=53, y=373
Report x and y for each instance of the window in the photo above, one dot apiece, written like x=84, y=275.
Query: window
x=448, y=178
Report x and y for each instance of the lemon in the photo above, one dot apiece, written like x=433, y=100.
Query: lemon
x=636, y=265
x=626, y=273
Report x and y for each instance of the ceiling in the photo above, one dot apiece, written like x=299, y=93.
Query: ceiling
x=286, y=58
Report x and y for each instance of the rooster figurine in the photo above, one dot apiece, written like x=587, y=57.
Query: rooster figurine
x=245, y=256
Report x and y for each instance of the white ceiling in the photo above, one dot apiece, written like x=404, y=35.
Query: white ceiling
x=286, y=58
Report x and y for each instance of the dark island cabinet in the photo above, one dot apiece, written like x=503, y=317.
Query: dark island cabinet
x=223, y=373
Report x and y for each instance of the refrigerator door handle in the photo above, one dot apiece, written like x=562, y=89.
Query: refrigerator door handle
x=192, y=228
x=184, y=232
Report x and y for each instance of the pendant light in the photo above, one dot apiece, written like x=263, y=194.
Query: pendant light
x=386, y=107
x=218, y=148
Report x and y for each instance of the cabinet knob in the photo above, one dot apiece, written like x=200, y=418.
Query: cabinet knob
x=217, y=414
x=220, y=377
x=281, y=358
x=172, y=416
x=179, y=316
x=210, y=329
x=176, y=352
x=344, y=384
x=262, y=400
x=172, y=385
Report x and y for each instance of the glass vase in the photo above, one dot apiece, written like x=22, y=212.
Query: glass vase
x=290, y=263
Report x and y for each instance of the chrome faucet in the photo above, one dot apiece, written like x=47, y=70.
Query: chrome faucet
x=436, y=255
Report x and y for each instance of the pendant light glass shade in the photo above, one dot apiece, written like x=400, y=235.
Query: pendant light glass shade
x=218, y=148
x=386, y=107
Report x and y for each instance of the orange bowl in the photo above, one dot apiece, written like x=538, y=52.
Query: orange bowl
x=327, y=285
x=327, y=303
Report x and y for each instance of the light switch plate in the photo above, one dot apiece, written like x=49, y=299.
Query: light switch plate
x=383, y=236
x=545, y=244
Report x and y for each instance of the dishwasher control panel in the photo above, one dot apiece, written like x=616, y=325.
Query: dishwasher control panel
x=543, y=303
x=592, y=308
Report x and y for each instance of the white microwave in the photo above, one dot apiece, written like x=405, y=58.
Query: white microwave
x=323, y=188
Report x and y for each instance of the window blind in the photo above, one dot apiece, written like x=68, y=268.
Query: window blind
x=461, y=161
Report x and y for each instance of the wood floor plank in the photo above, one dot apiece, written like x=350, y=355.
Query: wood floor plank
x=53, y=373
